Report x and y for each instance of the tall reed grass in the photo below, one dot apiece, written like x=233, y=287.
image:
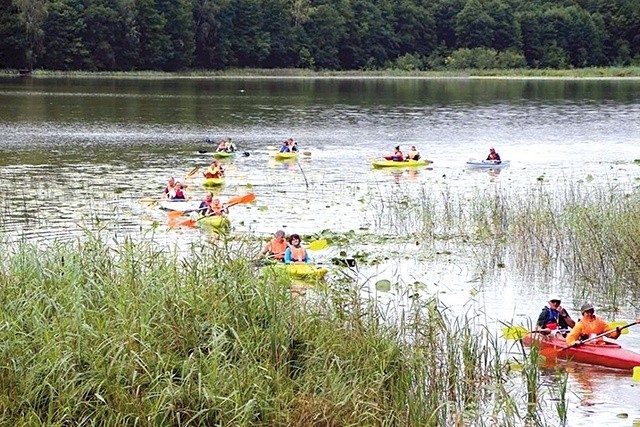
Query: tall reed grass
x=139, y=335
x=585, y=233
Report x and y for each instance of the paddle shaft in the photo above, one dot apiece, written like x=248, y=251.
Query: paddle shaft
x=620, y=328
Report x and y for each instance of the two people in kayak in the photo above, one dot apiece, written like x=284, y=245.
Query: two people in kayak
x=289, y=251
x=226, y=145
x=173, y=190
x=215, y=170
x=398, y=155
x=211, y=207
x=554, y=319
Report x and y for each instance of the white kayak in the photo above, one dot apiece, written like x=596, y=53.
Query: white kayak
x=179, y=205
x=487, y=164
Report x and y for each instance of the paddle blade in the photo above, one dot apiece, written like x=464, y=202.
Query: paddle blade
x=247, y=198
x=191, y=223
x=617, y=324
x=318, y=245
x=193, y=171
x=174, y=215
x=514, y=332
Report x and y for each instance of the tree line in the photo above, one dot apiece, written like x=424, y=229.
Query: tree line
x=174, y=35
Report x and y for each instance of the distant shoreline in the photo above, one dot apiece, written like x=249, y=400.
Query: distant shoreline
x=609, y=73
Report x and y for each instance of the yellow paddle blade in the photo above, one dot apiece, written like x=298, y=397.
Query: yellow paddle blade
x=616, y=324
x=193, y=171
x=514, y=332
x=318, y=245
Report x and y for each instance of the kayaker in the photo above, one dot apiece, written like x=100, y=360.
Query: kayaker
x=177, y=193
x=589, y=326
x=276, y=247
x=295, y=252
x=231, y=147
x=493, y=156
x=169, y=188
x=215, y=170
x=397, y=155
x=293, y=145
x=413, y=153
x=222, y=146
x=554, y=317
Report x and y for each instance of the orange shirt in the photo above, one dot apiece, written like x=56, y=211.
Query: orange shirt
x=589, y=328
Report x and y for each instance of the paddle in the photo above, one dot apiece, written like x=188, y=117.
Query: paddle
x=552, y=351
x=518, y=332
x=318, y=245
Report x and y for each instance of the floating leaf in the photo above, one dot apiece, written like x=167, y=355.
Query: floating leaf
x=383, y=285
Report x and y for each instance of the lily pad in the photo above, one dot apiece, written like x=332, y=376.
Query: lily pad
x=383, y=285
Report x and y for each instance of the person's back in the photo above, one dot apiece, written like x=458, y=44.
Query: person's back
x=493, y=155
x=413, y=153
x=285, y=147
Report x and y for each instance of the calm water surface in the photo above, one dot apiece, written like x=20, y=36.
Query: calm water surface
x=78, y=154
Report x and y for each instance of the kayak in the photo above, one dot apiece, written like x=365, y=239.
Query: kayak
x=609, y=354
x=179, y=205
x=402, y=164
x=304, y=271
x=213, y=221
x=487, y=164
x=224, y=154
x=287, y=155
x=212, y=182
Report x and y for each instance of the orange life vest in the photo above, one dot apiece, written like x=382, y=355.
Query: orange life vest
x=277, y=248
x=298, y=254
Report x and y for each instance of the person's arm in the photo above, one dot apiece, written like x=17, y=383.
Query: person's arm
x=265, y=249
x=287, y=256
x=574, y=335
x=607, y=327
x=566, y=319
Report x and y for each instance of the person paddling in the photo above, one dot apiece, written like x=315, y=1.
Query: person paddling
x=494, y=156
x=554, y=317
x=295, y=252
x=215, y=170
x=169, y=188
x=413, y=153
x=276, y=247
x=589, y=326
x=177, y=193
x=397, y=155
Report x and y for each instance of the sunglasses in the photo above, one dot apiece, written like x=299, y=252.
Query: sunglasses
x=589, y=311
x=555, y=301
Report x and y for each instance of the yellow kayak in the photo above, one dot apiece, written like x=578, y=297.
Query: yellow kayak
x=304, y=271
x=213, y=182
x=287, y=155
x=403, y=164
x=214, y=221
x=224, y=154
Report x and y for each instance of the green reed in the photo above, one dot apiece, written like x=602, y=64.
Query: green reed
x=585, y=231
x=141, y=335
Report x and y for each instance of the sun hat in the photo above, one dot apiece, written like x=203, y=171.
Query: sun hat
x=554, y=297
x=586, y=307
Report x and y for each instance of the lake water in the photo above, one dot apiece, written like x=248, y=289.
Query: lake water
x=78, y=154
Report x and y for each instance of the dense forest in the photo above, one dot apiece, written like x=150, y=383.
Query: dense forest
x=174, y=35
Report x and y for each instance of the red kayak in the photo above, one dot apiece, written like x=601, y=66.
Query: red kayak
x=608, y=354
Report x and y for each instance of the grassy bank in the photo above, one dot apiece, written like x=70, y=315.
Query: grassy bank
x=138, y=336
x=602, y=72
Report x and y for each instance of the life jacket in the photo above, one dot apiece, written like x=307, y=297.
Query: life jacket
x=178, y=194
x=398, y=156
x=277, y=248
x=412, y=155
x=298, y=254
x=216, y=208
x=213, y=172
x=552, y=318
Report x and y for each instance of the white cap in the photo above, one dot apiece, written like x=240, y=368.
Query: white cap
x=554, y=297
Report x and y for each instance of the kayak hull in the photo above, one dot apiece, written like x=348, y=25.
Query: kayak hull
x=224, y=154
x=286, y=156
x=213, y=221
x=609, y=354
x=488, y=164
x=213, y=182
x=183, y=206
x=403, y=164
x=301, y=271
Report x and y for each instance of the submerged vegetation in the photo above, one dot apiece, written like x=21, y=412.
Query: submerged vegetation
x=141, y=336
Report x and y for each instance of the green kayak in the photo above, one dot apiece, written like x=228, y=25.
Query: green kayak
x=224, y=154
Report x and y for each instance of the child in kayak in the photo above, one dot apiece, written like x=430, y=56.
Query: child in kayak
x=296, y=253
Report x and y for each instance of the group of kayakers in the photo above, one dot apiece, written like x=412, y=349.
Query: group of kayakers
x=289, y=146
x=288, y=250
x=209, y=206
x=398, y=156
x=554, y=319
